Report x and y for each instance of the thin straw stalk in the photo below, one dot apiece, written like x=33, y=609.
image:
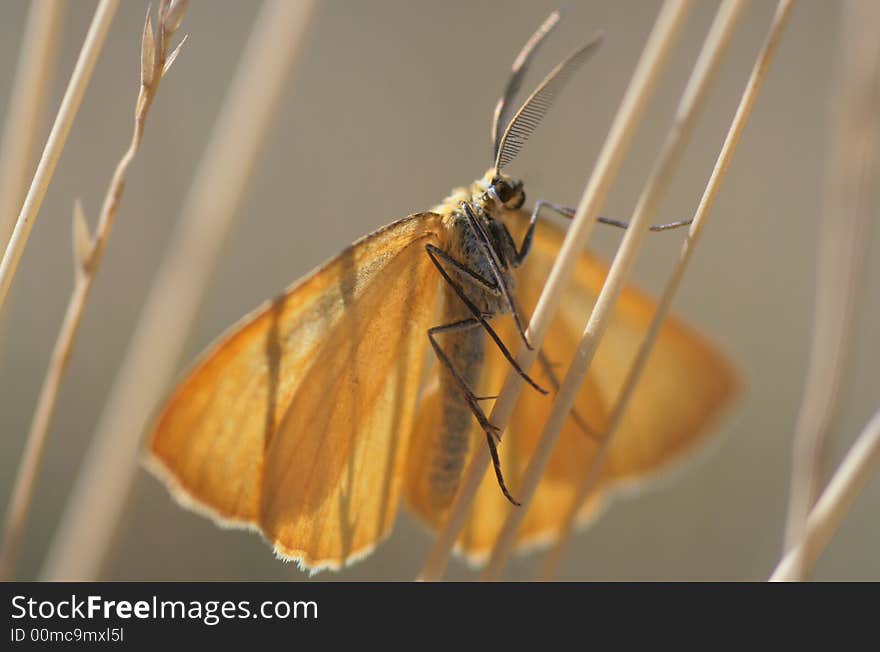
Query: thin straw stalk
x=663, y=37
x=825, y=518
x=707, y=201
x=849, y=208
x=88, y=252
x=209, y=210
x=690, y=107
x=76, y=88
x=33, y=78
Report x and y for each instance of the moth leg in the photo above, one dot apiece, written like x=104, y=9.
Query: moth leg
x=653, y=227
x=436, y=255
x=519, y=255
x=554, y=381
x=470, y=398
x=467, y=392
x=479, y=279
x=495, y=266
x=568, y=213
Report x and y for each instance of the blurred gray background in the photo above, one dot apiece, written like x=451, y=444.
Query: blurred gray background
x=388, y=108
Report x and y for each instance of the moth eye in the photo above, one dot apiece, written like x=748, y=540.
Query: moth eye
x=504, y=191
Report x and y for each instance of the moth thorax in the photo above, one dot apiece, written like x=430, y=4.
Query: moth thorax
x=470, y=250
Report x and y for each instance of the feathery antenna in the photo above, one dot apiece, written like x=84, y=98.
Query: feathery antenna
x=529, y=115
x=501, y=116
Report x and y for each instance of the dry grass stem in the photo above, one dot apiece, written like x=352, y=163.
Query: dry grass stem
x=704, y=208
x=659, y=45
x=151, y=359
x=689, y=109
x=33, y=79
x=76, y=88
x=849, y=207
x=825, y=518
x=88, y=251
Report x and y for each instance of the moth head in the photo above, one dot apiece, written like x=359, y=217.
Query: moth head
x=508, y=193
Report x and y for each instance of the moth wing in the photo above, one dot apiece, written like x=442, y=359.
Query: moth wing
x=685, y=386
x=297, y=420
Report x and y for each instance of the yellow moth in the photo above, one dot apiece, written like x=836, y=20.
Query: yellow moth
x=366, y=384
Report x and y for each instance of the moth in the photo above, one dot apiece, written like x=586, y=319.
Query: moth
x=367, y=383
